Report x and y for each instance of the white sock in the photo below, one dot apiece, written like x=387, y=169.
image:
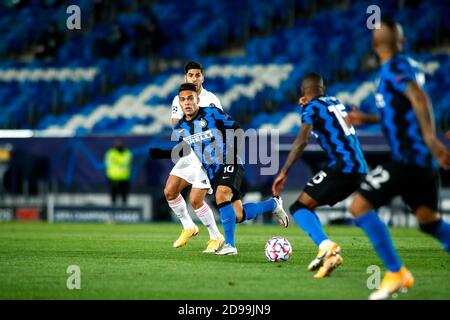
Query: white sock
x=206, y=216
x=179, y=207
x=324, y=244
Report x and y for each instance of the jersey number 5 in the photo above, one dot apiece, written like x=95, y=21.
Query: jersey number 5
x=340, y=114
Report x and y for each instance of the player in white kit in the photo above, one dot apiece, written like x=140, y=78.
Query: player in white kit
x=189, y=171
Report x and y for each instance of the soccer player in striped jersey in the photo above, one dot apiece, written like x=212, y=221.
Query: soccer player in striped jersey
x=188, y=171
x=212, y=135
x=407, y=121
x=325, y=117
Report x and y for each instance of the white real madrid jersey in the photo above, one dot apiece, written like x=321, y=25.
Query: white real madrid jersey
x=206, y=99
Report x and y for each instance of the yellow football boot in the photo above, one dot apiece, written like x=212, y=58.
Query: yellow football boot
x=184, y=237
x=331, y=263
x=393, y=282
x=214, y=244
x=323, y=254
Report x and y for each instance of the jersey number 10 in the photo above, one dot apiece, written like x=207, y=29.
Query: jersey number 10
x=339, y=112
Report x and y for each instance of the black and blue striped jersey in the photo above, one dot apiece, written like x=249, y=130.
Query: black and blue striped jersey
x=211, y=135
x=326, y=114
x=399, y=121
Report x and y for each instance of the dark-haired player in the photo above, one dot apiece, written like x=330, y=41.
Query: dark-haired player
x=188, y=171
x=325, y=117
x=207, y=132
x=407, y=121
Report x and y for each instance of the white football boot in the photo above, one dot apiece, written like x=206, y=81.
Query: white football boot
x=227, y=249
x=280, y=213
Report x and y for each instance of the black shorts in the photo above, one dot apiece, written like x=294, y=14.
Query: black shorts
x=417, y=186
x=330, y=186
x=230, y=175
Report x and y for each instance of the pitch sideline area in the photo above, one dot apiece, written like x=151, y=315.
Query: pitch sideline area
x=138, y=262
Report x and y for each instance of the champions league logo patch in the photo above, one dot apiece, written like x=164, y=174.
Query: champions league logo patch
x=174, y=109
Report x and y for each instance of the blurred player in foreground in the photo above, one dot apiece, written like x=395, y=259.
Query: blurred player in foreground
x=325, y=117
x=407, y=121
x=207, y=131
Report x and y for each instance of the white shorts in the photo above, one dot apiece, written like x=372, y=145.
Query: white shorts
x=190, y=169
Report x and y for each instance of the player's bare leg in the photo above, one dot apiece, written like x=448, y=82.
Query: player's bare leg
x=206, y=216
x=431, y=223
x=239, y=210
x=172, y=192
x=426, y=215
x=359, y=206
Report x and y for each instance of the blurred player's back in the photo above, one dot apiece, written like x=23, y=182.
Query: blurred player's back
x=398, y=119
x=407, y=119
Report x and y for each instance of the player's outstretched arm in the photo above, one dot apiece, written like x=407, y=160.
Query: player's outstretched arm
x=358, y=118
x=424, y=113
x=169, y=149
x=300, y=143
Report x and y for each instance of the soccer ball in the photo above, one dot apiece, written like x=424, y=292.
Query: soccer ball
x=278, y=249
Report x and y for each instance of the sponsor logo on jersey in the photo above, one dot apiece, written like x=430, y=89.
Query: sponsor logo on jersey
x=198, y=137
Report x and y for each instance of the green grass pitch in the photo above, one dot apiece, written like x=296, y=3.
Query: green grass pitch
x=138, y=262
